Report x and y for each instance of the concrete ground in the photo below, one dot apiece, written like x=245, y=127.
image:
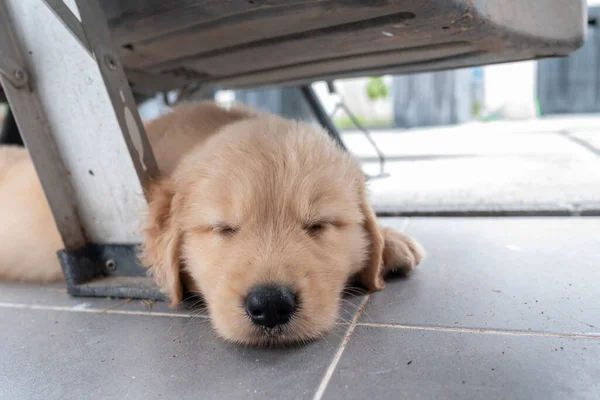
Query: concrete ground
x=503, y=308
x=549, y=165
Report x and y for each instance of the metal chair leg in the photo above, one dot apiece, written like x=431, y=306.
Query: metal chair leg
x=77, y=115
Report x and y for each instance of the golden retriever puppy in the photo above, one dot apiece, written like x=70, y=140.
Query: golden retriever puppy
x=265, y=218
x=268, y=220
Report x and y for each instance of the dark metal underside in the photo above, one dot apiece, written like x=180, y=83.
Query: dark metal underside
x=234, y=43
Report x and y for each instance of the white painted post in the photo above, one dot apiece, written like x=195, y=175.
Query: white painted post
x=78, y=118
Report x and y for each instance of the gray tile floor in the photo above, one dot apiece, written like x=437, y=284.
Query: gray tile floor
x=501, y=309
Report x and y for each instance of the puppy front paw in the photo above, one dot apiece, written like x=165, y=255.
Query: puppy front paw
x=401, y=253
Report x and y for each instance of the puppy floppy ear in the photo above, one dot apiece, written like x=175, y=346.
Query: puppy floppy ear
x=160, y=250
x=389, y=250
x=371, y=277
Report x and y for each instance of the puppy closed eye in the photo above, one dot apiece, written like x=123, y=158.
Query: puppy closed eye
x=315, y=229
x=225, y=230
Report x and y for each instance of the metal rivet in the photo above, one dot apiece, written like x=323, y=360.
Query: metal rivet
x=110, y=62
x=19, y=74
x=111, y=264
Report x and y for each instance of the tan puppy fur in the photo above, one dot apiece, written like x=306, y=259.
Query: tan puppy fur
x=28, y=237
x=244, y=199
x=268, y=201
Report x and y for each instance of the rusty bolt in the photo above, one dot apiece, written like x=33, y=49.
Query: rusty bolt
x=111, y=264
x=110, y=62
x=19, y=74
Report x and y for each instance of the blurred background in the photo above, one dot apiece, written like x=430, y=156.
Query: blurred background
x=509, y=139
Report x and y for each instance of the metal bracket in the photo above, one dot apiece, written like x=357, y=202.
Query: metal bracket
x=107, y=270
x=12, y=71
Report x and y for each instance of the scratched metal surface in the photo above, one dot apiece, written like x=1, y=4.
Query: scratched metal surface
x=251, y=43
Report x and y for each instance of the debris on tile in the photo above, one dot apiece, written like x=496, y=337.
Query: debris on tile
x=408, y=363
x=81, y=306
x=148, y=304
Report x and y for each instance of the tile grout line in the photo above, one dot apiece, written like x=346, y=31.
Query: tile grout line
x=480, y=331
x=338, y=355
x=76, y=309
x=126, y=301
x=352, y=325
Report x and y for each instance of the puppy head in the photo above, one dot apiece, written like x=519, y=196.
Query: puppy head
x=267, y=221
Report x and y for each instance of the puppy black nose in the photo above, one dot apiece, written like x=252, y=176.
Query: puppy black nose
x=270, y=306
